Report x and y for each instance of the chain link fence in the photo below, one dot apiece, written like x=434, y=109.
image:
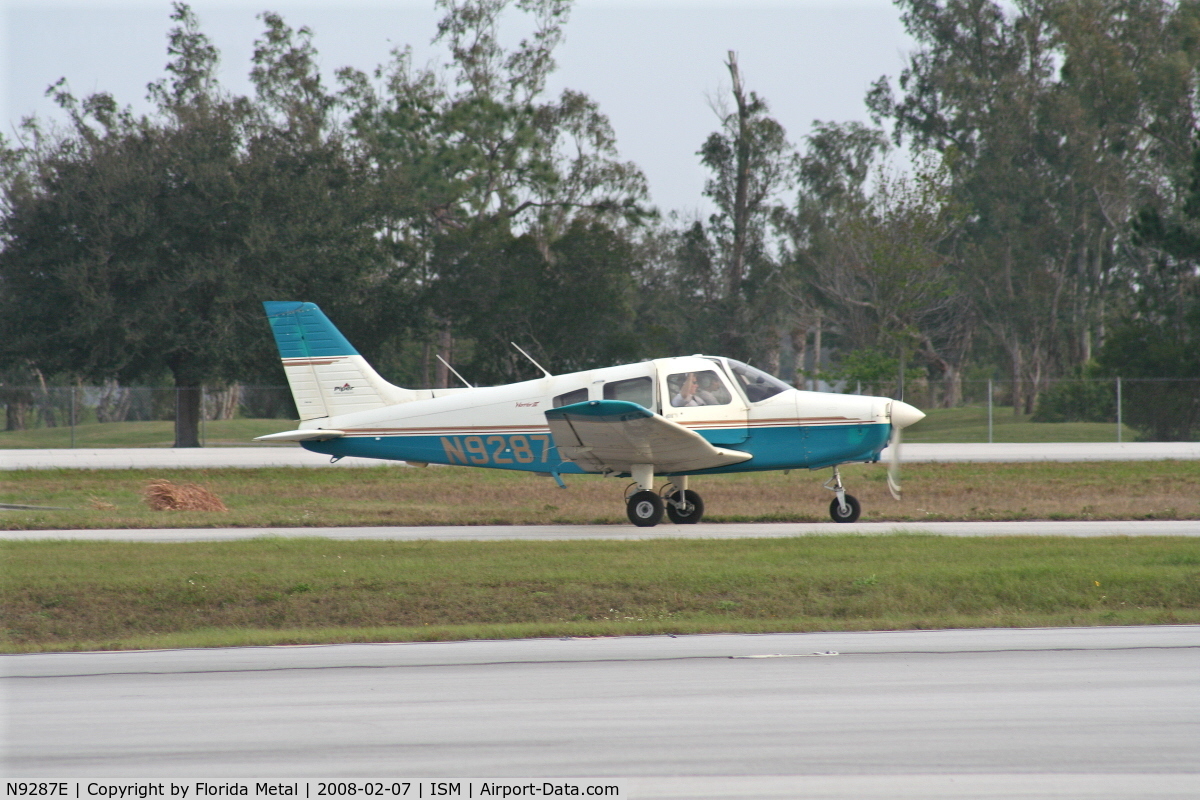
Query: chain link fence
x=1146, y=409
x=1149, y=409
x=75, y=407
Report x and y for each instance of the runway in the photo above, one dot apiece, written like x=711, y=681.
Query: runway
x=1080, y=713
x=295, y=456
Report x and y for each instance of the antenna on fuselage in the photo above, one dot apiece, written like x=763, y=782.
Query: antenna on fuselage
x=452, y=369
x=531, y=361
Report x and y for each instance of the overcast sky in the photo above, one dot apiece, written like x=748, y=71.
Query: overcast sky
x=653, y=66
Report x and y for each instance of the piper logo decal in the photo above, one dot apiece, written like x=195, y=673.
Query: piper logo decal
x=344, y=388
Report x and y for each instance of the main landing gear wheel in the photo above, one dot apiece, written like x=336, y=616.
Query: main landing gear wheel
x=645, y=509
x=692, y=511
x=853, y=509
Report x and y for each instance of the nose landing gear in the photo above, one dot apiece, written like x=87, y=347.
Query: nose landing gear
x=845, y=507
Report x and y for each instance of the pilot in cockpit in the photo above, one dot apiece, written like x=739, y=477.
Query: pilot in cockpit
x=691, y=394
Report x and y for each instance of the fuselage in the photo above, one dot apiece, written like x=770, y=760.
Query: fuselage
x=726, y=402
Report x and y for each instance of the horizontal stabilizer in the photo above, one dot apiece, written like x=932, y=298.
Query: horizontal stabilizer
x=613, y=435
x=301, y=436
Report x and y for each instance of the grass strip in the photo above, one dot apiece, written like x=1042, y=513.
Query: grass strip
x=392, y=495
x=65, y=595
x=970, y=424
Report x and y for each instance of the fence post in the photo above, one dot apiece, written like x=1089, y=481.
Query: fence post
x=1118, y=410
x=72, y=417
x=989, y=410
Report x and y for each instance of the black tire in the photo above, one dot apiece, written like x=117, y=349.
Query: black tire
x=694, y=512
x=853, y=509
x=645, y=509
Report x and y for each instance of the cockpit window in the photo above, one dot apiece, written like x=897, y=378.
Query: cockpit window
x=634, y=390
x=757, y=384
x=570, y=398
x=701, y=388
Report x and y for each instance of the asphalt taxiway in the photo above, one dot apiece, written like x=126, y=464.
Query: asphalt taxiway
x=492, y=533
x=1080, y=713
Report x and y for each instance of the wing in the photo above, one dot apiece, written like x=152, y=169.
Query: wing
x=612, y=435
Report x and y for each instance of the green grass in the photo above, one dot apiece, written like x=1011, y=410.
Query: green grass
x=107, y=595
x=394, y=495
x=967, y=424
x=219, y=433
x=970, y=424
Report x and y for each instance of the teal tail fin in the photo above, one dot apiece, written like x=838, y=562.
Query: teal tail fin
x=302, y=331
x=328, y=377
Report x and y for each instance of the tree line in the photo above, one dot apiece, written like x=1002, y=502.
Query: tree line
x=1049, y=224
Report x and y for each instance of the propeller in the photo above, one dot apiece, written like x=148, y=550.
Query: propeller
x=901, y=415
x=893, y=473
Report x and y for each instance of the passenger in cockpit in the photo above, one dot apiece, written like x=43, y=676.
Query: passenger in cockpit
x=712, y=392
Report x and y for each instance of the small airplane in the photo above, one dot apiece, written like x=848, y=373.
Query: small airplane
x=674, y=417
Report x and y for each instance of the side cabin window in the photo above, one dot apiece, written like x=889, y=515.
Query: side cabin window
x=703, y=388
x=634, y=390
x=757, y=384
x=571, y=398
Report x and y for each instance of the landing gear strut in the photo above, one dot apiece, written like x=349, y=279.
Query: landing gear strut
x=645, y=507
x=845, y=507
x=684, y=507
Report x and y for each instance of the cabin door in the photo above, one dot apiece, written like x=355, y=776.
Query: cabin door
x=701, y=399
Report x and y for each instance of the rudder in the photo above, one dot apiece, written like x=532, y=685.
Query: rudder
x=303, y=331
x=328, y=377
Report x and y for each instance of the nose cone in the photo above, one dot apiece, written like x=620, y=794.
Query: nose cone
x=903, y=415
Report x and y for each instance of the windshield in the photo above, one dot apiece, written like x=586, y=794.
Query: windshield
x=757, y=384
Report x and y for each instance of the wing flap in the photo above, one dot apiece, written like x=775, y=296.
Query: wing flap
x=612, y=435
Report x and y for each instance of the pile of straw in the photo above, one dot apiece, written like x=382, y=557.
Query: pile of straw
x=162, y=495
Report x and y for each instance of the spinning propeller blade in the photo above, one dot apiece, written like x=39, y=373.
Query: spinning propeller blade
x=893, y=473
x=901, y=415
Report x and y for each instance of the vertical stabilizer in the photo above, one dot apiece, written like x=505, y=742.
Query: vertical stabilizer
x=327, y=375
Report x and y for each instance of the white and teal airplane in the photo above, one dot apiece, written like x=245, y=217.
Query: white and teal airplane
x=671, y=417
